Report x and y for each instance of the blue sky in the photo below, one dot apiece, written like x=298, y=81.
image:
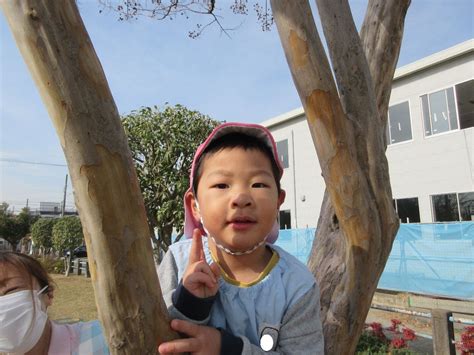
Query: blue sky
x=148, y=62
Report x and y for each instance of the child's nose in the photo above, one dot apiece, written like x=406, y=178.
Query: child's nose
x=241, y=199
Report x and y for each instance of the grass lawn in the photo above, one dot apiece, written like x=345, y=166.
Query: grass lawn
x=73, y=299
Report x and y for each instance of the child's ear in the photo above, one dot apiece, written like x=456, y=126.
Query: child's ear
x=281, y=197
x=191, y=202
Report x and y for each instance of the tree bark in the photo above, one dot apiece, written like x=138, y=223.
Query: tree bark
x=381, y=36
x=357, y=223
x=59, y=54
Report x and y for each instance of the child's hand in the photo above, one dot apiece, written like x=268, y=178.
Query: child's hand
x=200, y=278
x=202, y=340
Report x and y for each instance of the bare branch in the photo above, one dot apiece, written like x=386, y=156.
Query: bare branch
x=160, y=10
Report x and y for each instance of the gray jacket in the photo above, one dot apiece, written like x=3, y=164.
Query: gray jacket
x=281, y=313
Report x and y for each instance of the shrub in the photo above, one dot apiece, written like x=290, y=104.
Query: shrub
x=67, y=234
x=375, y=341
x=52, y=265
x=41, y=232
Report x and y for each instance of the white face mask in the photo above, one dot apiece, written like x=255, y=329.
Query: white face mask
x=21, y=322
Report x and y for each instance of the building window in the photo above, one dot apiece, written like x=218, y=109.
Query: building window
x=466, y=206
x=465, y=102
x=282, y=147
x=408, y=210
x=453, y=207
x=440, y=109
x=399, y=124
x=285, y=219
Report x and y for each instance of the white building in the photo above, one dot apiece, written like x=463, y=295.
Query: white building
x=430, y=152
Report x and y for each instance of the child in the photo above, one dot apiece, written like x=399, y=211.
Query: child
x=234, y=292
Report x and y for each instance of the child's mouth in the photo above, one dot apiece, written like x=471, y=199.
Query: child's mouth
x=242, y=223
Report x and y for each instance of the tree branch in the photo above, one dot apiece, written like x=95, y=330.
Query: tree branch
x=381, y=36
x=59, y=54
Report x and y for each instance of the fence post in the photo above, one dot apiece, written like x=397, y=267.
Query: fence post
x=443, y=332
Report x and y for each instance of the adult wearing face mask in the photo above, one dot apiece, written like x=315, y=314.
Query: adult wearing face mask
x=26, y=291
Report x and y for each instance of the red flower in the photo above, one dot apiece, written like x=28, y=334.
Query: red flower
x=408, y=334
x=376, y=327
x=377, y=330
x=466, y=345
x=394, y=326
x=398, y=343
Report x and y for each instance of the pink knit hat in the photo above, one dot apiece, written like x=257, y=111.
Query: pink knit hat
x=253, y=130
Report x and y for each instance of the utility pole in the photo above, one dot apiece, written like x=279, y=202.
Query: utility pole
x=63, y=209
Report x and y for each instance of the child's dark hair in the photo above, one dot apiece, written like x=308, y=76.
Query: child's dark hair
x=236, y=140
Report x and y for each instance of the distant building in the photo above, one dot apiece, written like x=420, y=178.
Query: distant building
x=430, y=151
x=50, y=208
x=53, y=210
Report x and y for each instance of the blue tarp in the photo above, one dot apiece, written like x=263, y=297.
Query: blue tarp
x=432, y=259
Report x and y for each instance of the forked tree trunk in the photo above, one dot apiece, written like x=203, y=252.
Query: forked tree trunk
x=56, y=47
x=358, y=223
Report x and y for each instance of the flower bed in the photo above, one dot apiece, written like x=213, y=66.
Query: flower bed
x=392, y=340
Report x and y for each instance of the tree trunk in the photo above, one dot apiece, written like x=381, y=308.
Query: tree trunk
x=357, y=223
x=56, y=47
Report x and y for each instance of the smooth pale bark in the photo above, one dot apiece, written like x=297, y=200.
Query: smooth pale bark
x=357, y=223
x=59, y=54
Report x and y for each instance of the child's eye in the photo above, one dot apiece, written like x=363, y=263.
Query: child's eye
x=259, y=185
x=220, y=186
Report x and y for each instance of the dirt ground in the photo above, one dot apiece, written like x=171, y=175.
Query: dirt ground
x=73, y=299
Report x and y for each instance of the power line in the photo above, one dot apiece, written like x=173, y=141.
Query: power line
x=29, y=162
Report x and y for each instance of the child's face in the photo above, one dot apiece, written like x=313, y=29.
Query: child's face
x=238, y=197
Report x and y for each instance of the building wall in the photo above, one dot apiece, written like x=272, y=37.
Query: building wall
x=435, y=164
x=421, y=167
x=302, y=180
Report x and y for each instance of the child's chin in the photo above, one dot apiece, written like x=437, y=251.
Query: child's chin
x=242, y=245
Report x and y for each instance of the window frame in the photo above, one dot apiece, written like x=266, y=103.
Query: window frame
x=456, y=100
x=288, y=211
x=388, y=123
x=428, y=93
x=459, y=204
x=287, y=152
x=395, y=204
x=433, y=213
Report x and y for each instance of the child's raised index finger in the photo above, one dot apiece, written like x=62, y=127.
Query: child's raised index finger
x=196, y=253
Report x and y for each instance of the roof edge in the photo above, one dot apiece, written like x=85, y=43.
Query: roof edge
x=419, y=65
x=283, y=117
x=435, y=59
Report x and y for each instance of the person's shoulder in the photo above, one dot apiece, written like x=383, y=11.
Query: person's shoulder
x=64, y=337
x=92, y=339
x=180, y=249
x=292, y=266
x=182, y=245
x=295, y=275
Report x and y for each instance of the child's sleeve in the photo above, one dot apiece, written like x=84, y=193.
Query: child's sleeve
x=181, y=304
x=301, y=331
